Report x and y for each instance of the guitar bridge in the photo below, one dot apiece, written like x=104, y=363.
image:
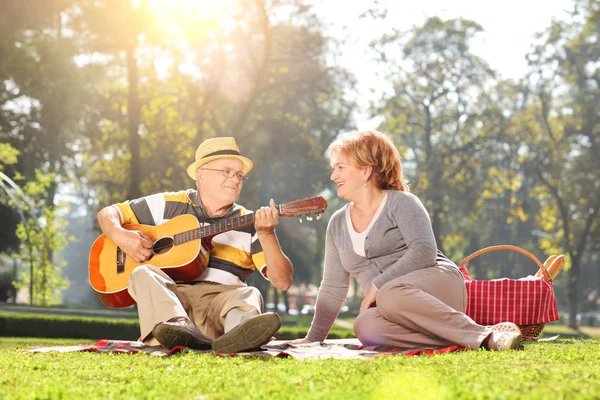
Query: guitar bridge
x=120, y=261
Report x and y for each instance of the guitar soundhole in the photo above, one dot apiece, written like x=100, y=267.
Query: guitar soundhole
x=163, y=245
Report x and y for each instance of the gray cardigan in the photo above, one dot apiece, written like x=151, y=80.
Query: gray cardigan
x=400, y=241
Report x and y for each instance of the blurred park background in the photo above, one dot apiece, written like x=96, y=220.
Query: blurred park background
x=106, y=100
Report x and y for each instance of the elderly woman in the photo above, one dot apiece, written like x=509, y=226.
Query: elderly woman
x=414, y=295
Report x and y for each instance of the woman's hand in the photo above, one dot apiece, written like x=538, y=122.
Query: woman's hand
x=370, y=299
x=298, y=341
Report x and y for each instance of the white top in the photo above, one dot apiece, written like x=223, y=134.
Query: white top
x=358, y=239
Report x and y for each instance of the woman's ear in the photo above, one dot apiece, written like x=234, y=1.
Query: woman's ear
x=366, y=172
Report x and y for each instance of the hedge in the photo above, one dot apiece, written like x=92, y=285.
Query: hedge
x=66, y=327
x=62, y=326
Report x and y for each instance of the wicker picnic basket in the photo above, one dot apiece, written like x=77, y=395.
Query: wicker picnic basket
x=528, y=302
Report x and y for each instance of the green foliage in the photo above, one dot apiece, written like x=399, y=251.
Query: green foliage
x=563, y=158
x=273, y=89
x=39, y=239
x=110, y=99
x=40, y=236
x=8, y=155
x=439, y=116
x=500, y=162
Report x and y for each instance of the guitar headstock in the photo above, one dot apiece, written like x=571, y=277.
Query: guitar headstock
x=307, y=207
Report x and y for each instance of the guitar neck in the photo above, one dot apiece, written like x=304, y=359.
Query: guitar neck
x=216, y=228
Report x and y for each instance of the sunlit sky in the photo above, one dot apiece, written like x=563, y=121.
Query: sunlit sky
x=509, y=27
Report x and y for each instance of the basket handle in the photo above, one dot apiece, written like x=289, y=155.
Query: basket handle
x=543, y=269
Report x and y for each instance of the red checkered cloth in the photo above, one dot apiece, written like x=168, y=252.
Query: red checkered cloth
x=523, y=301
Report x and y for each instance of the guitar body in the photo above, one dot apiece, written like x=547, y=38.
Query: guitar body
x=110, y=268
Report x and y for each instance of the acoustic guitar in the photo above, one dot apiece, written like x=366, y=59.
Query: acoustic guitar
x=181, y=249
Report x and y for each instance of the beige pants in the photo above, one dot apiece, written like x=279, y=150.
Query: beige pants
x=424, y=307
x=214, y=309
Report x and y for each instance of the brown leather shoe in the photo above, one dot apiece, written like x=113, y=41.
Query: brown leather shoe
x=250, y=334
x=180, y=331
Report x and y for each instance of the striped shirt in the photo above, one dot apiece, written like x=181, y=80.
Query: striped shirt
x=236, y=253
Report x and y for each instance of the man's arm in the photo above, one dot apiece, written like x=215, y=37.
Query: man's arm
x=280, y=269
x=134, y=243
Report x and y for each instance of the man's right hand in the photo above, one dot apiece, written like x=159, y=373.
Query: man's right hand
x=135, y=244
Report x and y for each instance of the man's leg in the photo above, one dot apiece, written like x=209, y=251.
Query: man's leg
x=236, y=316
x=163, y=319
x=156, y=298
x=238, y=324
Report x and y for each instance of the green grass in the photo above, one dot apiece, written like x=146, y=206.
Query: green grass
x=568, y=369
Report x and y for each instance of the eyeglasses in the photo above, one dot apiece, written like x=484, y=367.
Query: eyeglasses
x=229, y=173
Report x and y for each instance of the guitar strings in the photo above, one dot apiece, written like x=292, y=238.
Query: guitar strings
x=188, y=234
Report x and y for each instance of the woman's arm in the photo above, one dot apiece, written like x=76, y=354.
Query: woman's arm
x=332, y=292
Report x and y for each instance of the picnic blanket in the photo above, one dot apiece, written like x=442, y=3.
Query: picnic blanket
x=336, y=348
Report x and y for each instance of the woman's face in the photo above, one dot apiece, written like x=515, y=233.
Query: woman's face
x=348, y=178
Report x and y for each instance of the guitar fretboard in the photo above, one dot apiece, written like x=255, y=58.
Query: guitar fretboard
x=213, y=229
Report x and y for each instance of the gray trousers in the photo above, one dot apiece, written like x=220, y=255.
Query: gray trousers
x=422, y=308
x=214, y=309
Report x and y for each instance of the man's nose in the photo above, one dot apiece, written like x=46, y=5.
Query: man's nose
x=235, y=177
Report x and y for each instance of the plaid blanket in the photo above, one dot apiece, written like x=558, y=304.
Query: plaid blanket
x=338, y=348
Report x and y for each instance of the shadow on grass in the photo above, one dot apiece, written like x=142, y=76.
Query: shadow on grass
x=583, y=332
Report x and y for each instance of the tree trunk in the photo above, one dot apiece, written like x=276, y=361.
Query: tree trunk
x=286, y=301
x=321, y=231
x=49, y=252
x=260, y=74
x=261, y=284
x=133, y=123
x=572, y=291
x=354, y=291
x=437, y=202
x=275, y=298
x=15, y=277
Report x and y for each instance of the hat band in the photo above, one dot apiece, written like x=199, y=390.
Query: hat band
x=222, y=152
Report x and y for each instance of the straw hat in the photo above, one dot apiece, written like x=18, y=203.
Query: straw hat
x=215, y=148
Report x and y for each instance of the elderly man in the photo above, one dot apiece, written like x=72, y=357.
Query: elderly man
x=217, y=309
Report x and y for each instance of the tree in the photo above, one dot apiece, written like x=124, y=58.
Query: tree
x=39, y=239
x=117, y=30
x=10, y=218
x=436, y=105
x=238, y=71
x=566, y=159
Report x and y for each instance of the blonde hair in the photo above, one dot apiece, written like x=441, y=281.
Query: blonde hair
x=372, y=148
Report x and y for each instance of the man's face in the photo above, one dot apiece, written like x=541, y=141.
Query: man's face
x=219, y=180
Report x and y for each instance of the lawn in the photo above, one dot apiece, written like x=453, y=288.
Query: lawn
x=566, y=368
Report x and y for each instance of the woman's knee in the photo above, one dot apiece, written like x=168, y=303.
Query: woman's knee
x=366, y=328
